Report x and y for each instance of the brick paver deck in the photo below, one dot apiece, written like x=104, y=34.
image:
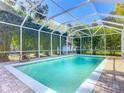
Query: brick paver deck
x=111, y=80
x=10, y=84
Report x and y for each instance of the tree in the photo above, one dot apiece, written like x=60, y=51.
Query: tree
x=113, y=43
x=23, y=6
x=119, y=9
x=43, y=10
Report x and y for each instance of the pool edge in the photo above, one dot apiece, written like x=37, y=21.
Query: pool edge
x=89, y=84
x=85, y=87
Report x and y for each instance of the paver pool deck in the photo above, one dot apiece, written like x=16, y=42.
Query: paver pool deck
x=110, y=81
x=112, y=78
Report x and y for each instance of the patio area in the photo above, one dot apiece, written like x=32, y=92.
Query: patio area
x=111, y=80
x=9, y=83
x=41, y=29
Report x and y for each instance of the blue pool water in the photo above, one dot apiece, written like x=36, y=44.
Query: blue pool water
x=64, y=75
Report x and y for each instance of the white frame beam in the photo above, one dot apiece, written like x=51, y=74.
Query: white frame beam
x=119, y=30
x=80, y=45
x=104, y=41
x=21, y=28
x=122, y=43
x=110, y=15
x=91, y=44
x=70, y=9
x=60, y=44
x=114, y=23
x=67, y=47
x=79, y=31
x=97, y=30
x=1, y=22
x=83, y=29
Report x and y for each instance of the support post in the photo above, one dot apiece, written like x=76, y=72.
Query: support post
x=39, y=44
x=51, y=44
x=105, y=43
x=22, y=28
x=80, y=44
x=67, y=44
x=91, y=45
x=21, y=43
x=60, y=44
x=122, y=43
x=72, y=45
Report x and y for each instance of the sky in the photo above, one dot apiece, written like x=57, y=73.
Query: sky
x=79, y=12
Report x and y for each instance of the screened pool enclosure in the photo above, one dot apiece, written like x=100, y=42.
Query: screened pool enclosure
x=37, y=28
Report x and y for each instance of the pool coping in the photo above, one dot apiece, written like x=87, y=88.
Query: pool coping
x=86, y=87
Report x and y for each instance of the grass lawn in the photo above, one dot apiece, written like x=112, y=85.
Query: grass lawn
x=116, y=53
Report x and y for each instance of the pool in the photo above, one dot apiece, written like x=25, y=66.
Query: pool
x=63, y=74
